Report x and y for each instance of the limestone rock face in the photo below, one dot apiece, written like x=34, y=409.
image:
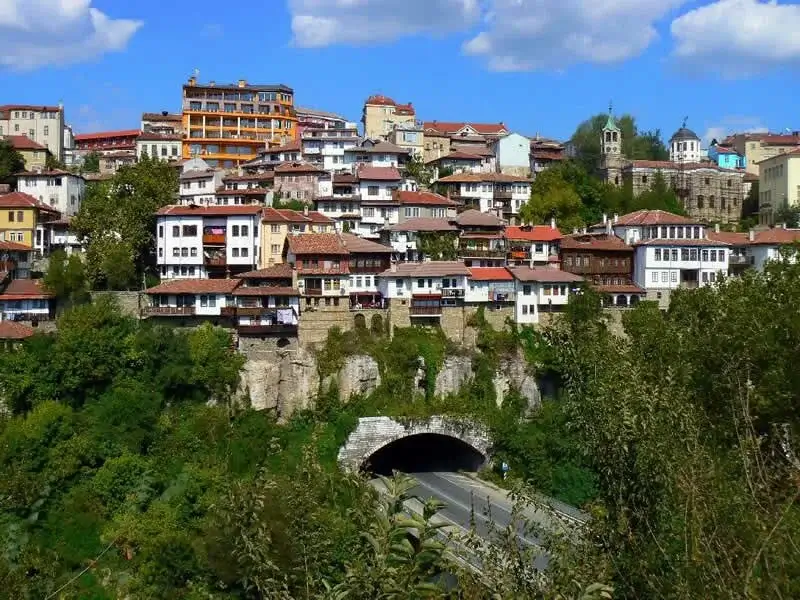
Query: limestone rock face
x=259, y=383
x=298, y=383
x=359, y=375
x=455, y=372
x=515, y=374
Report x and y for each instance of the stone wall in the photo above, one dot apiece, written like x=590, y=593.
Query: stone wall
x=316, y=321
x=373, y=433
x=130, y=303
x=262, y=348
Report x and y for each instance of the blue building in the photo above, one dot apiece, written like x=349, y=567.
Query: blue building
x=726, y=158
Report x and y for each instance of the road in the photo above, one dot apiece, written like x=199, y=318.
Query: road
x=470, y=501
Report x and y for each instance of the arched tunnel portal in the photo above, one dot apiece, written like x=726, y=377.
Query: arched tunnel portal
x=423, y=452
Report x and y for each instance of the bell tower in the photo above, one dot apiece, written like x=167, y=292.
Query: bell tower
x=611, y=150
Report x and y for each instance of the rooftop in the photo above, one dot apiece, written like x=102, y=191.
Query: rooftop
x=424, y=224
x=543, y=274
x=533, y=233
x=483, y=178
x=476, y=218
x=99, y=135
x=650, y=217
x=197, y=174
x=280, y=271
x=451, y=127
x=11, y=330
x=593, y=241
x=25, y=289
x=439, y=268
x=490, y=274
x=20, y=200
x=316, y=243
x=162, y=117
x=297, y=167
x=208, y=211
x=195, y=286
x=266, y=290
x=775, y=237
x=242, y=85
x=423, y=198
x=21, y=142
x=379, y=174
x=287, y=215
x=358, y=245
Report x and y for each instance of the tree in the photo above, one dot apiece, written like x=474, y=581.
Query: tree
x=417, y=170
x=438, y=246
x=117, y=221
x=91, y=163
x=66, y=277
x=11, y=161
x=635, y=145
x=53, y=164
x=659, y=197
x=552, y=197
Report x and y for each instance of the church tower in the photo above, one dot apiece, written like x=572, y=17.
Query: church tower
x=611, y=150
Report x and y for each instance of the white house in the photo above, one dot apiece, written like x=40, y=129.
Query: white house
x=190, y=297
x=198, y=241
x=541, y=290
x=490, y=285
x=325, y=146
x=533, y=244
x=489, y=191
x=426, y=287
x=378, y=207
x=403, y=237
x=671, y=251
x=513, y=154
x=25, y=300
x=765, y=246
x=370, y=153
x=163, y=146
x=199, y=183
x=61, y=190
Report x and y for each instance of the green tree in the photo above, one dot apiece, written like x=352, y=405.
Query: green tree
x=117, y=221
x=53, y=164
x=438, y=246
x=11, y=161
x=659, y=197
x=552, y=196
x=66, y=277
x=635, y=144
x=416, y=169
x=91, y=163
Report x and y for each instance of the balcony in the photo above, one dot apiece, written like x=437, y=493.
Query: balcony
x=245, y=311
x=502, y=195
x=452, y=293
x=481, y=253
x=215, y=261
x=214, y=239
x=169, y=311
x=277, y=328
x=425, y=311
x=738, y=260
x=313, y=292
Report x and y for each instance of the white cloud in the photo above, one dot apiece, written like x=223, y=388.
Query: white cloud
x=737, y=38
x=733, y=124
x=37, y=33
x=524, y=35
x=318, y=23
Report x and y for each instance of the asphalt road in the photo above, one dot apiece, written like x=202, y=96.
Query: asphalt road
x=471, y=502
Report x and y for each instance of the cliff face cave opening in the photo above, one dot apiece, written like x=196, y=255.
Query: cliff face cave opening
x=424, y=452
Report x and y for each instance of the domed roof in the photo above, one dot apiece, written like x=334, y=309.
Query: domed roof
x=684, y=134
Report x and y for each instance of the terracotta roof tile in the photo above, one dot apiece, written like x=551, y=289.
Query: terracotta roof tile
x=21, y=200
x=357, y=245
x=424, y=224
x=380, y=100
x=293, y=146
x=268, y=176
x=490, y=274
x=209, y=211
x=197, y=174
x=344, y=178
x=15, y=246
x=454, y=127
x=85, y=137
x=21, y=142
x=438, y=268
x=594, y=241
x=280, y=271
x=776, y=237
x=316, y=243
x=379, y=174
x=23, y=289
x=423, y=198
x=258, y=192
x=476, y=218
x=483, y=178
x=287, y=215
x=297, y=167
x=161, y=117
x=667, y=165
x=10, y=330
x=459, y=155
x=543, y=275
x=533, y=233
x=729, y=237
x=266, y=290
x=650, y=217
x=195, y=286
x=34, y=107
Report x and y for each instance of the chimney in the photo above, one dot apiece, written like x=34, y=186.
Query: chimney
x=616, y=217
x=752, y=235
x=305, y=210
x=609, y=228
x=192, y=80
x=552, y=222
x=605, y=218
x=716, y=227
x=242, y=83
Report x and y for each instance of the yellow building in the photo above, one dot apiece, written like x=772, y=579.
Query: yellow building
x=276, y=224
x=381, y=115
x=21, y=216
x=778, y=185
x=35, y=154
x=226, y=125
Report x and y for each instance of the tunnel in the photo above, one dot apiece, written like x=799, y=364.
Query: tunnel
x=424, y=452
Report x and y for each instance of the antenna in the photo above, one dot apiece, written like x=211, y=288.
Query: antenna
x=684, y=121
x=610, y=107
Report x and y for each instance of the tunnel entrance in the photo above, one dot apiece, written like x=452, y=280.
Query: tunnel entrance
x=424, y=452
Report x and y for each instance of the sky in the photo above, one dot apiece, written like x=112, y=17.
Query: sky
x=539, y=66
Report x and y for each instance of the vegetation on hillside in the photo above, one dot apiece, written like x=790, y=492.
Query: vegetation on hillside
x=11, y=161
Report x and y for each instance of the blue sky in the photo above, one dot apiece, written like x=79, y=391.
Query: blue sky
x=537, y=65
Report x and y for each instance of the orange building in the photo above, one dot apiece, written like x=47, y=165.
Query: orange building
x=226, y=125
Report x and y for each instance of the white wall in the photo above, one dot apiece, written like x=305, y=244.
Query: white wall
x=650, y=273
x=513, y=151
x=200, y=191
x=685, y=151
x=66, y=197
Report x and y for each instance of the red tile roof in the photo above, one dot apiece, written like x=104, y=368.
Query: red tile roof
x=650, y=217
x=729, y=237
x=483, y=177
x=533, y=233
x=423, y=198
x=208, y=211
x=10, y=330
x=159, y=137
x=85, y=137
x=780, y=140
x=434, y=268
x=316, y=243
x=476, y=218
x=594, y=241
x=21, y=142
x=286, y=215
x=379, y=174
x=280, y=271
x=195, y=286
x=293, y=146
x=16, y=247
x=490, y=274
x=619, y=289
x=45, y=173
x=453, y=127
x=267, y=176
x=544, y=275
x=424, y=224
x=380, y=100
x=297, y=167
x=21, y=200
x=265, y=290
x=667, y=165
x=776, y=237
x=357, y=245
x=33, y=107
x=24, y=289
x=344, y=178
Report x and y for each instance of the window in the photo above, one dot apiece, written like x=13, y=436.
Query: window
x=658, y=254
x=524, y=309
x=176, y=231
x=235, y=231
x=193, y=251
x=654, y=277
x=176, y=252
x=704, y=255
x=369, y=211
x=712, y=277
x=190, y=230
x=674, y=255
x=184, y=252
x=547, y=290
x=526, y=290
x=539, y=248
x=372, y=190
x=244, y=230
x=11, y=216
x=275, y=228
x=420, y=283
x=713, y=256
x=204, y=301
x=673, y=277
x=721, y=256
x=664, y=276
x=46, y=130
x=244, y=252
x=684, y=254
x=235, y=252
x=275, y=248
x=693, y=254
x=160, y=252
x=704, y=277
x=212, y=300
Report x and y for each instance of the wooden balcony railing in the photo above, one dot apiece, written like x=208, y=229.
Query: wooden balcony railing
x=245, y=311
x=313, y=292
x=169, y=311
x=278, y=328
x=452, y=293
x=425, y=311
x=216, y=239
x=481, y=253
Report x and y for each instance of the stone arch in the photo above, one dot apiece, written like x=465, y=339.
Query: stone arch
x=360, y=321
x=634, y=300
x=622, y=300
x=376, y=433
x=376, y=324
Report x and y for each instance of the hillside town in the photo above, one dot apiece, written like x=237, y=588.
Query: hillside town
x=287, y=220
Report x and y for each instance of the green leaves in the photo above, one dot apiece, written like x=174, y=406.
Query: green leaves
x=11, y=161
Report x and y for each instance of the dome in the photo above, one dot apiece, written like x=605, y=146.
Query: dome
x=684, y=134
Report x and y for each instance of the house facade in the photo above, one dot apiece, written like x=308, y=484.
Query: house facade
x=277, y=224
x=540, y=291
x=778, y=185
x=381, y=114
x=61, y=190
x=513, y=155
x=533, y=245
x=425, y=288
x=488, y=192
x=404, y=237
x=322, y=265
